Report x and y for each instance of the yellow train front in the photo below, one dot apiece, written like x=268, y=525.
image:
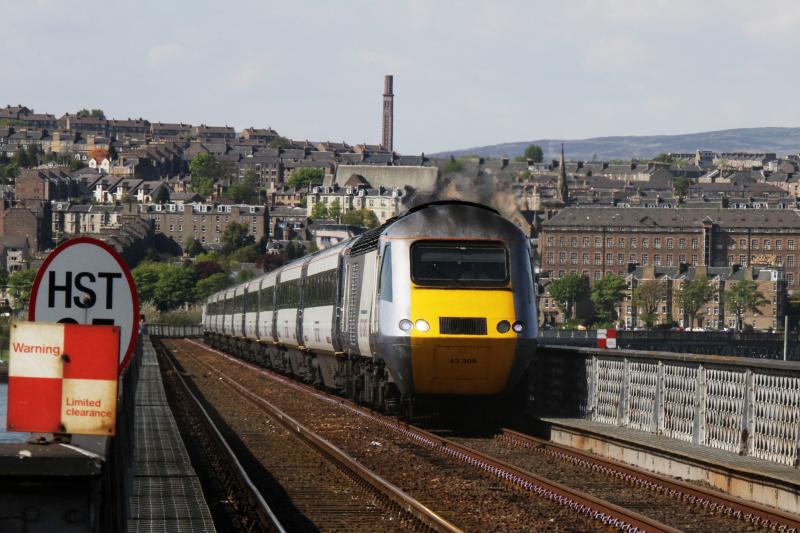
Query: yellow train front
x=456, y=309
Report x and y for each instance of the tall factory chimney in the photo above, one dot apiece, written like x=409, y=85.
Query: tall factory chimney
x=388, y=113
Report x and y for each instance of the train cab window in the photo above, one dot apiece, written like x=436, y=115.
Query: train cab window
x=386, y=275
x=459, y=264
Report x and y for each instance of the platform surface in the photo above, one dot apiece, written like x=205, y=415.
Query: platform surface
x=747, y=466
x=167, y=495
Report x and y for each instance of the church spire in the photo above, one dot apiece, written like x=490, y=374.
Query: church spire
x=562, y=192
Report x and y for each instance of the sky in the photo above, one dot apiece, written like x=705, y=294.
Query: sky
x=466, y=73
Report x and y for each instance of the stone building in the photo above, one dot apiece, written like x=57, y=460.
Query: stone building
x=596, y=240
x=356, y=194
x=206, y=222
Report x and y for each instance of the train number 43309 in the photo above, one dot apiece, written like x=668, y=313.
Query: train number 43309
x=463, y=360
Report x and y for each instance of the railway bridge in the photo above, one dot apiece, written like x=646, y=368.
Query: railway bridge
x=730, y=422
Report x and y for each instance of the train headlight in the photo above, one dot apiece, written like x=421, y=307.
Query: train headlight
x=518, y=326
x=406, y=324
x=503, y=326
x=422, y=325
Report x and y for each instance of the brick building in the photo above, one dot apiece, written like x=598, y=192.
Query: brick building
x=594, y=241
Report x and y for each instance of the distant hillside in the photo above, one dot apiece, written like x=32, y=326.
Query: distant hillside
x=779, y=140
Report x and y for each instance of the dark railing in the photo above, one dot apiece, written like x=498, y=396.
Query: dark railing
x=174, y=332
x=754, y=344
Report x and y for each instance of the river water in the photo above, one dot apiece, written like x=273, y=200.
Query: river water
x=5, y=436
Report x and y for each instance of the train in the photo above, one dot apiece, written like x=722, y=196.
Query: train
x=438, y=302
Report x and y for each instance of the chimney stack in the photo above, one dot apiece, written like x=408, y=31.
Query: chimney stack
x=388, y=113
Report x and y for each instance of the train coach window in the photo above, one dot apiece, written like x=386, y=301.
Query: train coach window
x=386, y=275
x=266, y=298
x=252, y=300
x=459, y=264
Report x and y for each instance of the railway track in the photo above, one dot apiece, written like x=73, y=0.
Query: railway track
x=659, y=500
x=470, y=488
x=355, y=499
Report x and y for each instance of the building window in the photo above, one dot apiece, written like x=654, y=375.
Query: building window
x=657, y=259
x=562, y=258
x=586, y=242
x=597, y=258
x=669, y=244
x=598, y=242
x=730, y=260
x=669, y=260
x=550, y=259
x=778, y=244
x=573, y=258
x=585, y=273
x=694, y=260
x=790, y=244
x=621, y=259
x=790, y=278
x=790, y=260
x=550, y=238
x=682, y=259
x=645, y=243
x=682, y=244
x=767, y=244
x=561, y=241
x=585, y=259
x=694, y=244
x=596, y=275
x=621, y=242
x=742, y=259
x=633, y=242
x=657, y=242
x=609, y=259
x=743, y=244
x=573, y=242
x=754, y=244
x=172, y=227
x=609, y=242
x=632, y=259
x=644, y=259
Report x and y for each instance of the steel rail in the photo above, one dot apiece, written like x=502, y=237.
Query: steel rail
x=254, y=495
x=355, y=470
x=586, y=504
x=716, y=501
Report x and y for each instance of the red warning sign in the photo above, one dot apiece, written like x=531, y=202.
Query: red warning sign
x=62, y=378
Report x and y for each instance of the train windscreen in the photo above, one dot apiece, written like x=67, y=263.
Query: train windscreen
x=459, y=264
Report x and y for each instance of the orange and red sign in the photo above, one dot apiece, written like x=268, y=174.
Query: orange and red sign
x=62, y=378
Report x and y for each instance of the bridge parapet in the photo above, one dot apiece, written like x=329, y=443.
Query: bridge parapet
x=174, y=332
x=746, y=406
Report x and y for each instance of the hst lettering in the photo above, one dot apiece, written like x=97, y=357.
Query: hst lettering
x=79, y=290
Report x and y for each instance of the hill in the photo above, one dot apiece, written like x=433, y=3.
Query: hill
x=780, y=140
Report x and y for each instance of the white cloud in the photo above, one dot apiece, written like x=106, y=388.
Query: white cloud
x=164, y=54
x=613, y=53
x=245, y=75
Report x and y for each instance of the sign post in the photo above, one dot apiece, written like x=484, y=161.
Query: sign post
x=62, y=378
x=85, y=281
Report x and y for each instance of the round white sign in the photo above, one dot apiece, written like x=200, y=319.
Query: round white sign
x=85, y=281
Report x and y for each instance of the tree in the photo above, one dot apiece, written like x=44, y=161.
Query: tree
x=306, y=176
x=534, y=153
x=162, y=196
x=280, y=142
x=146, y=276
x=647, y=297
x=294, y=250
x=20, y=284
x=235, y=236
x=206, y=170
x=693, y=296
x=244, y=190
x=205, y=269
x=94, y=113
x=319, y=211
x=208, y=286
x=335, y=209
x=193, y=247
x=174, y=287
x=607, y=293
x=743, y=296
x=361, y=217
x=567, y=291
x=664, y=157
x=681, y=185
x=450, y=166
